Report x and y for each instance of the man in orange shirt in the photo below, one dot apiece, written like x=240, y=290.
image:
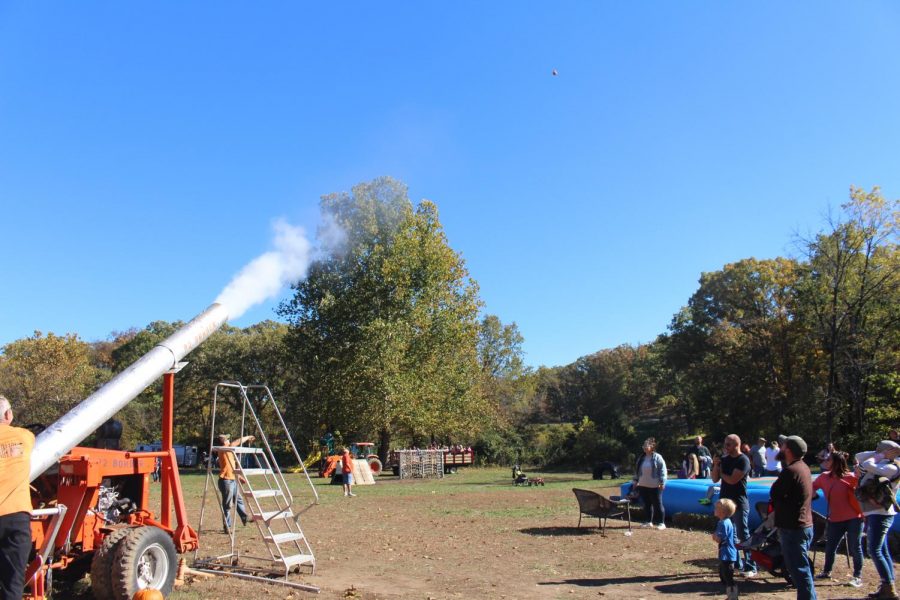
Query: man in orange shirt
x=227, y=484
x=15, y=504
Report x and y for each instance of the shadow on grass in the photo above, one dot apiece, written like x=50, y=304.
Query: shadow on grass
x=704, y=563
x=567, y=531
x=685, y=583
x=603, y=582
x=715, y=588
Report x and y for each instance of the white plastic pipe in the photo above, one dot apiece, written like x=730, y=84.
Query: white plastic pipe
x=77, y=424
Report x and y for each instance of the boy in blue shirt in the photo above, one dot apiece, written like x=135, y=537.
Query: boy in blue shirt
x=724, y=537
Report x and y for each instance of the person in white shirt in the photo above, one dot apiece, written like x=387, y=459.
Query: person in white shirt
x=883, y=463
x=773, y=465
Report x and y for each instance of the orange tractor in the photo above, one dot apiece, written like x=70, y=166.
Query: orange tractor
x=330, y=465
x=96, y=518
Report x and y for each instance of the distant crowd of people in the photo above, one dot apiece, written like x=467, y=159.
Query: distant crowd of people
x=861, y=494
x=453, y=449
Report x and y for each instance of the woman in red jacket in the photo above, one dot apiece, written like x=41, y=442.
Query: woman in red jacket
x=844, y=514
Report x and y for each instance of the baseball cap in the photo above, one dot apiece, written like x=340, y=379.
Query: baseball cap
x=796, y=444
x=885, y=445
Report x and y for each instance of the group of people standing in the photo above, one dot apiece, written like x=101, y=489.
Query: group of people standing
x=764, y=458
x=850, y=509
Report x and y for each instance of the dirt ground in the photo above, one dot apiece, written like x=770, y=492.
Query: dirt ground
x=474, y=535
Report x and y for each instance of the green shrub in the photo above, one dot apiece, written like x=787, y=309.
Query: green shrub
x=500, y=447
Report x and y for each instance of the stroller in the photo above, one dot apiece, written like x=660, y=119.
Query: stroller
x=763, y=544
x=519, y=478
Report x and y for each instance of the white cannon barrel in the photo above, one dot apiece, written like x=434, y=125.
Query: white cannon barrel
x=77, y=424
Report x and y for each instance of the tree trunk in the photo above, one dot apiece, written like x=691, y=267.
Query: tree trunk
x=384, y=445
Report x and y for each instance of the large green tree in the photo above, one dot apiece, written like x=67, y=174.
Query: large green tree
x=384, y=330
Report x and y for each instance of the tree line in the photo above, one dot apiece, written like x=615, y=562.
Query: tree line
x=387, y=340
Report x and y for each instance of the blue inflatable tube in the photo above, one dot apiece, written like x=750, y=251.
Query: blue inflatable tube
x=684, y=495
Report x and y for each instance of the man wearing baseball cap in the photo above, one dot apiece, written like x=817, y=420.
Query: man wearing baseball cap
x=792, y=495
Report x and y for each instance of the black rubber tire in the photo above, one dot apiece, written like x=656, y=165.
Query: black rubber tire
x=126, y=559
x=101, y=564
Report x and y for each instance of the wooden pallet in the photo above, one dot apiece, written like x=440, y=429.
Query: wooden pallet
x=362, y=473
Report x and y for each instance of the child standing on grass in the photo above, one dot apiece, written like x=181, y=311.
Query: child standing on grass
x=724, y=537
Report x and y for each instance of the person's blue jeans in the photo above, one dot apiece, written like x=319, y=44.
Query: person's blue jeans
x=652, y=499
x=228, y=489
x=794, y=548
x=740, y=519
x=833, y=534
x=877, y=527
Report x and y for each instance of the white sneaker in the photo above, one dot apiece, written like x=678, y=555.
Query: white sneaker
x=352, y=495
x=750, y=574
x=855, y=582
x=661, y=526
x=646, y=525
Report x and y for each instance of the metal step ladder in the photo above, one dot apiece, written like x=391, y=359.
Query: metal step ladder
x=269, y=501
x=270, y=505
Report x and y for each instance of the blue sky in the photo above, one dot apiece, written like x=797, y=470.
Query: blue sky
x=146, y=148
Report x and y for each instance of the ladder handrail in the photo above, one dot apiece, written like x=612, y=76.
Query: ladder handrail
x=276, y=469
x=278, y=413
x=291, y=441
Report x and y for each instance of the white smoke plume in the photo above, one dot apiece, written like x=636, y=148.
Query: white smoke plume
x=331, y=236
x=268, y=273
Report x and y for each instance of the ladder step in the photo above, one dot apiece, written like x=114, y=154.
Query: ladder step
x=266, y=493
x=238, y=449
x=275, y=514
x=283, y=538
x=296, y=559
x=254, y=471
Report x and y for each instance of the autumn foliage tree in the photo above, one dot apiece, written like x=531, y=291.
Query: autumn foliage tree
x=46, y=375
x=849, y=295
